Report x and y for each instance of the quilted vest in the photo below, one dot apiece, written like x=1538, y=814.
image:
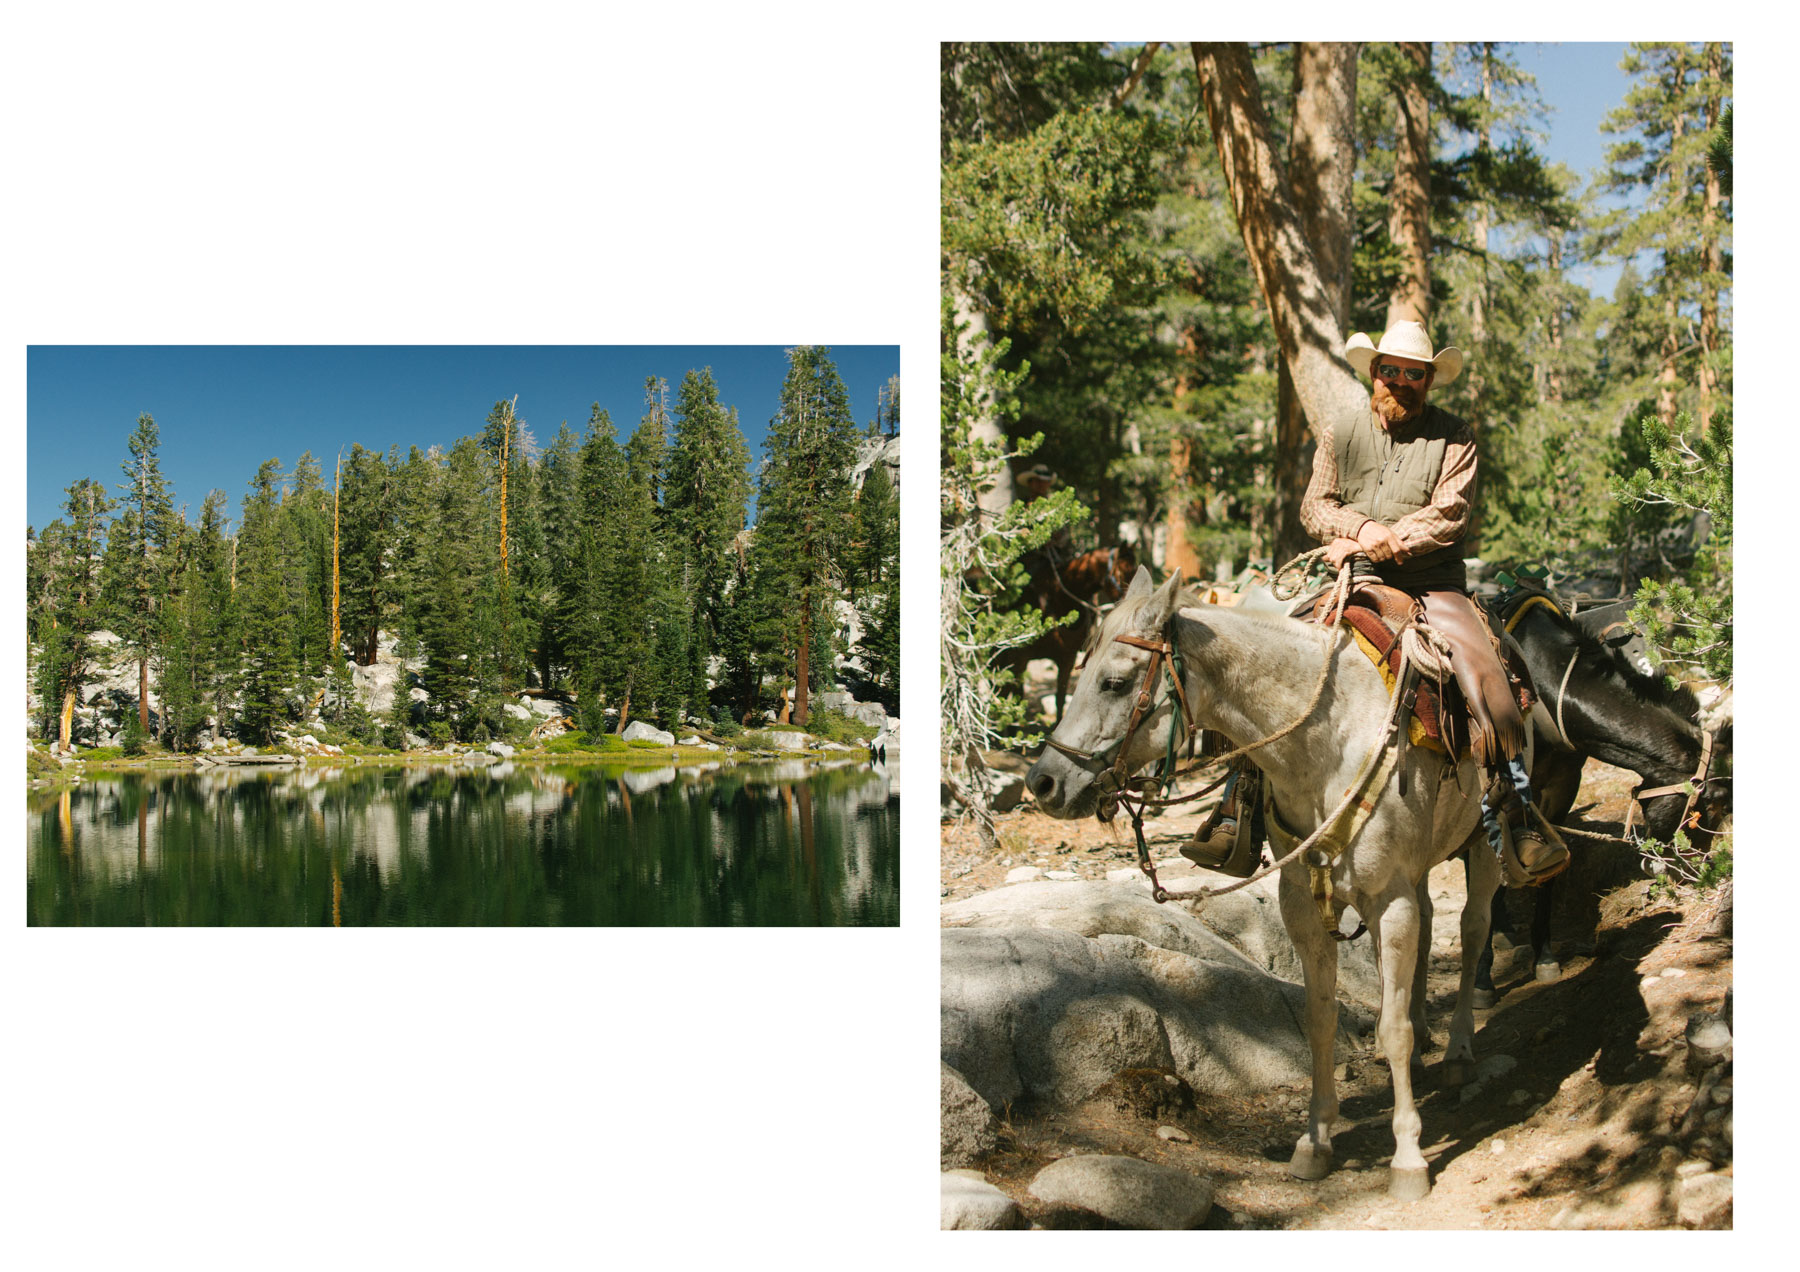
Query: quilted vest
x=1385, y=478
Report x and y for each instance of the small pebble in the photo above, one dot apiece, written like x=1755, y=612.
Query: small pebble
x=1721, y=1094
x=1520, y=1097
x=1174, y=1134
x=1650, y=980
x=1674, y=972
x=1497, y=1147
x=1692, y=1167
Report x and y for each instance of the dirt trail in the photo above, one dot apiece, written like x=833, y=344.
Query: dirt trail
x=1593, y=1125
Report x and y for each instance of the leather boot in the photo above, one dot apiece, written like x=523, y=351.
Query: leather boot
x=1526, y=857
x=1497, y=730
x=1225, y=840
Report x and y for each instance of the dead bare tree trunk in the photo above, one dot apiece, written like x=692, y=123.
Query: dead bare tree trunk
x=337, y=492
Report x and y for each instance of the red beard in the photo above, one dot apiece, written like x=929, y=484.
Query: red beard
x=1395, y=405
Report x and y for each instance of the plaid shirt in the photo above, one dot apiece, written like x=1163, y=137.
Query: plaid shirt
x=1439, y=524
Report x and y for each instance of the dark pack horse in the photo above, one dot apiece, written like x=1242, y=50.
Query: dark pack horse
x=1593, y=701
x=1060, y=585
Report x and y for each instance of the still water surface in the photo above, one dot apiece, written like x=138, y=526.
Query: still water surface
x=754, y=845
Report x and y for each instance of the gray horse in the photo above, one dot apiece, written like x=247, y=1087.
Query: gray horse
x=1250, y=676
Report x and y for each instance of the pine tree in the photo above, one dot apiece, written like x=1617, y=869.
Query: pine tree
x=141, y=543
x=365, y=533
x=803, y=504
x=595, y=622
x=1665, y=124
x=559, y=498
x=706, y=492
x=266, y=623
x=75, y=608
x=876, y=530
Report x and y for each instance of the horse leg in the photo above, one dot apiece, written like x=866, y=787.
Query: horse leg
x=1557, y=780
x=1498, y=921
x=1421, y=972
x=1484, y=886
x=1544, y=963
x=1318, y=960
x=1395, y=927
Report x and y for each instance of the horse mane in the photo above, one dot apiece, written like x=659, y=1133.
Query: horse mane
x=1651, y=690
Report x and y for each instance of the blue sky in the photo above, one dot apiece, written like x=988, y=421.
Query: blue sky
x=223, y=410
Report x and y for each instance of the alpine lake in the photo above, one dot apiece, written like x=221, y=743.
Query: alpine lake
x=756, y=843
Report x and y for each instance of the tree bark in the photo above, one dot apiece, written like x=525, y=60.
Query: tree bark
x=802, y=668
x=1321, y=171
x=1409, y=200
x=1138, y=67
x=1302, y=309
x=1671, y=341
x=998, y=497
x=1712, y=254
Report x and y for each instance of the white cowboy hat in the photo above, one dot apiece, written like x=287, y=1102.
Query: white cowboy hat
x=1405, y=340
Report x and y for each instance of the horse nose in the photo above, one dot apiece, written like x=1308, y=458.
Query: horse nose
x=1041, y=785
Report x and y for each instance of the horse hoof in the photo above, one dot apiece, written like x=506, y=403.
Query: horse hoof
x=1482, y=999
x=1548, y=970
x=1454, y=1073
x=1411, y=1183
x=1309, y=1163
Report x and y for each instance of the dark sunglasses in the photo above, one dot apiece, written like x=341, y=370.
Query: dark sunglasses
x=1387, y=372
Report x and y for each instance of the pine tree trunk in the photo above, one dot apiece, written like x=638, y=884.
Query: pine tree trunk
x=1713, y=257
x=68, y=716
x=1178, y=551
x=999, y=497
x=1321, y=172
x=144, y=694
x=1553, y=378
x=1301, y=306
x=1409, y=200
x=802, y=668
x=1671, y=341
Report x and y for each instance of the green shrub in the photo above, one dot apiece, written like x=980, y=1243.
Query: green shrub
x=835, y=726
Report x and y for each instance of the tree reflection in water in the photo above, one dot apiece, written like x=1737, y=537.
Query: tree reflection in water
x=589, y=846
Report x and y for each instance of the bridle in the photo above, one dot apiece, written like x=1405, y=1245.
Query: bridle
x=1113, y=777
x=1693, y=787
x=1117, y=787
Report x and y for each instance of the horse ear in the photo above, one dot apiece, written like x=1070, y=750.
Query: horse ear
x=1141, y=585
x=1158, y=609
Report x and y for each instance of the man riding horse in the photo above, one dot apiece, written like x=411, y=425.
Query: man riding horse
x=1396, y=484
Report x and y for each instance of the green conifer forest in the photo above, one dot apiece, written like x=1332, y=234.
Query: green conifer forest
x=647, y=570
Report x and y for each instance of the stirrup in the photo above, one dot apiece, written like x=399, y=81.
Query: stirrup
x=1227, y=842
x=1527, y=859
